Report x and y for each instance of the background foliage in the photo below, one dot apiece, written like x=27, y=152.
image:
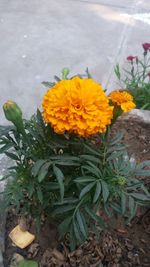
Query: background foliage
x=135, y=78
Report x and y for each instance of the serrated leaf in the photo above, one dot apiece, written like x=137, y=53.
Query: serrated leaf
x=60, y=178
x=97, y=192
x=105, y=191
x=86, y=189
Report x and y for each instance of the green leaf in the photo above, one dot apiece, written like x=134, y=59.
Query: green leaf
x=123, y=202
x=4, y=130
x=97, y=170
x=30, y=188
x=40, y=118
x=48, y=84
x=88, y=74
x=90, y=158
x=5, y=147
x=43, y=171
x=92, y=151
x=143, y=164
x=81, y=224
x=105, y=191
x=91, y=170
x=84, y=179
x=72, y=238
x=141, y=197
x=145, y=190
x=27, y=263
x=94, y=216
x=2, y=178
x=116, y=207
x=131, y=204
x=40, y=194
x=60, y=178
x=37, y=166
x=63, y=227
x=67, y=163
x=77, y=231
x=97, y=192
x=86, y=189
x=63, y=209
x=117, y=138
x=144, y=173
x=12, y=156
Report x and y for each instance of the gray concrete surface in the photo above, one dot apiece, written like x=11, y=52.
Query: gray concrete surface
x=39, y=38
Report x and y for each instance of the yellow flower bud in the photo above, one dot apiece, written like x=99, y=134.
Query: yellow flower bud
x=121, y=180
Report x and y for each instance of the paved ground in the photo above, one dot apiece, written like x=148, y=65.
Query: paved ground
x=39, y=38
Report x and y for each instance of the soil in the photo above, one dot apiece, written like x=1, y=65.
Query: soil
x=119, y=246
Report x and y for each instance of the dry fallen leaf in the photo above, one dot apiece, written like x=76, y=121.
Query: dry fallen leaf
x=20, y=238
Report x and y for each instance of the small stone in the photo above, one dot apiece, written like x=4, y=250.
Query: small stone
x=33, y=250
x=23, y=224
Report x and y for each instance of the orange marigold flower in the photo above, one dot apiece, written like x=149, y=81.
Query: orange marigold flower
x=122, y=99
x=78, y=106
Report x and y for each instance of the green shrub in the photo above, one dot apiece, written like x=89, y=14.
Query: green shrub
x=69, y=178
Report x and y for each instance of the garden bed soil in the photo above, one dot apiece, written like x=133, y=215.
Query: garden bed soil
x=118, y=246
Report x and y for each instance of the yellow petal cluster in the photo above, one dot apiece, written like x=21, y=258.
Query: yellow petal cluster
x=78, y=106
x=122, y=99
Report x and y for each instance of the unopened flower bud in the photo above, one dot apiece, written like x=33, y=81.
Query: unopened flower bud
x=13, y=113
x=65, y=72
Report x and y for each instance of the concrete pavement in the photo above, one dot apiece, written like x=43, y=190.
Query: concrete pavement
x=39, y=38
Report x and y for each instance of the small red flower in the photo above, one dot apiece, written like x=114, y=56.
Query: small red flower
x=146, y=46
x=131, y=58
x=148, y=74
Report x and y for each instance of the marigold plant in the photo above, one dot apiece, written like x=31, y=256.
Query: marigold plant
x=122, y=99
x=78, y=106
x=60, y=176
